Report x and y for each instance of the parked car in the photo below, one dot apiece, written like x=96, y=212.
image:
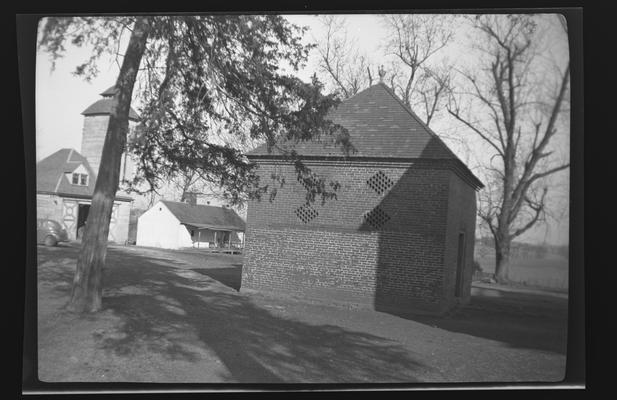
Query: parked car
x=50, y=232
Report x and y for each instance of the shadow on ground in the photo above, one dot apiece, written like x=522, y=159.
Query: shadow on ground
x=521, y=320
x=170, y=309
x=230, y=277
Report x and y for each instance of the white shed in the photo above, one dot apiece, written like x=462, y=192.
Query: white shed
x=173, y=225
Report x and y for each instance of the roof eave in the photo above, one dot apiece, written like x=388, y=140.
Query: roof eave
x=471, y=178
x=215, y=227
x=136, y=119
x=81, y=195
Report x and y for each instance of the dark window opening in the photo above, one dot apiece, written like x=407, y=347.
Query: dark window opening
x=79, y=179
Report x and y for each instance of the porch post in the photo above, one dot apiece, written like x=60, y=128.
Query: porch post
x=198, y=237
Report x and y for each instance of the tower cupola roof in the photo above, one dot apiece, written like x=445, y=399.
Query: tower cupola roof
x=103, y=106
x=109, y=92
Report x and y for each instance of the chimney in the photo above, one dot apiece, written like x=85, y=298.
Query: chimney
x=382, y=73
x=190, y=198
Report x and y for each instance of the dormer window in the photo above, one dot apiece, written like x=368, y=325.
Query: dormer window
x=80, y=179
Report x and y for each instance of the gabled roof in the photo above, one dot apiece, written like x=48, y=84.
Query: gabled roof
x=380, y=126
x=103, y=106
x=50, y=174
x=201, y=216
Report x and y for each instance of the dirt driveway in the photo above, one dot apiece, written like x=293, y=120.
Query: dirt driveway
x=178, y=317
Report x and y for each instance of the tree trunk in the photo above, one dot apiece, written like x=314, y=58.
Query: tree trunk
x=502, y=260
x=87, y=291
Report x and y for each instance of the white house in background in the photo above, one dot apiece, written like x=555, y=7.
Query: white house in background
x=173, y=225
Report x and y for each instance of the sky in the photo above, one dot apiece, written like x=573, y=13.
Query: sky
x=61, y=97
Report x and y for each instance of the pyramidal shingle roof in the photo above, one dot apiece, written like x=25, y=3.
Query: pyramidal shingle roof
x=380, y=126
x=50, y=174
x=103, y=106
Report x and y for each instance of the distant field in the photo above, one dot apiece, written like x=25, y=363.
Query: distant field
x=550, y=271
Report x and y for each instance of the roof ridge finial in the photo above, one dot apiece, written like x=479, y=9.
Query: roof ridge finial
x=382, y=73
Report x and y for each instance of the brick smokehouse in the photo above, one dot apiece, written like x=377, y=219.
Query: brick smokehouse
x=400, y=235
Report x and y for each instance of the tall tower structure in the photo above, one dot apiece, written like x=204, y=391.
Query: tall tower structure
x=96, y=119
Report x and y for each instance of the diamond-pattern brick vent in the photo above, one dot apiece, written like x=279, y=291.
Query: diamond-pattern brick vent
x=306, y=213
x=376, y=217
x=380, y=182
x=307, y=185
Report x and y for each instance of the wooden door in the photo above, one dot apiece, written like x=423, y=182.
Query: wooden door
x=460, y=265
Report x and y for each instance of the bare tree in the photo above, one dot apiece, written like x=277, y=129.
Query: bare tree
x=513, y=107
x=187, y=182
x=413, y=41
x=340, y=62
x=432, y=89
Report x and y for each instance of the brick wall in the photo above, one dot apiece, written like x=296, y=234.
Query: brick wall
x=461, y=219
x=417, y=200
x=338, y=254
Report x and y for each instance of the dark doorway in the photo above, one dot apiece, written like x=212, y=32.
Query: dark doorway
x=82, y=216
x=460, y=263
